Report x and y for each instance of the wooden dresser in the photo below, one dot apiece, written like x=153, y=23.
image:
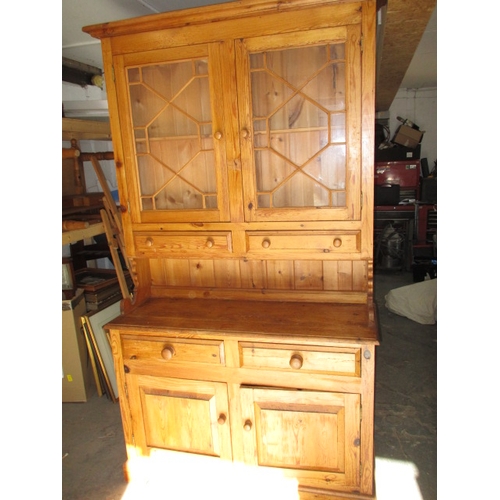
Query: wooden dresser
x=243, y=141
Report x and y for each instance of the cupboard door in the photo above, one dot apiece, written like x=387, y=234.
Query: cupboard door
x=180, y=415
x=174, y=136
x=300, y=113
x=313, y=436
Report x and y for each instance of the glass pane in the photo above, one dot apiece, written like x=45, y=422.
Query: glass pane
x=178, y=195
x=299, y=94
x=141, y=147
x=147, y=204
x=337, y=129
x=139, y=133
x=264, y=201
x=168, y=79
x=152, y=174
x=172, y=119
x=145, y=105
x=195, y=100
x=338, y=199
x=328, y=87
x=134, y=75
x=268, y=93
x=175, y=153
x=201, y=67
x=337, y=51
x=200, y=172
x=299, y=147
x=298, y=113
x=300, y=191
x=256, y=61
x=211, y=202
x=172, y=123
x=296, y=66
x=271, y=170
x=329, y=168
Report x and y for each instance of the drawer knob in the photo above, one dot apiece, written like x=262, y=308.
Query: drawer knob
x=168, y=352
x=149, y=242
x=266, y=243
x=210, y=242
x=222, y=419
x=245, y=133
x=296, y=361
x=337, y=242
x=248, y=425
x=218, y=135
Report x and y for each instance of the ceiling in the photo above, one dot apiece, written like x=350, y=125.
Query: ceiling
x=406, y=37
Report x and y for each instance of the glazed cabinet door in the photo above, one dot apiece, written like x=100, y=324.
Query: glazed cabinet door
x=172, y=121
x=313, y=436
x=300, y=119
x=180, y=415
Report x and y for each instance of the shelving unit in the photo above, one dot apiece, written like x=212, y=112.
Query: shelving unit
x=75, y=130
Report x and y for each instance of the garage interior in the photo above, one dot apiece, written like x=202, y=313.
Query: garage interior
x=93, y=448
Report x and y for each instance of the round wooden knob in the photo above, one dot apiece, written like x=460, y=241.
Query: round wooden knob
x=168, y=352
x=245, y=133
x=218, y=135
x=222, y=419
x=149, y=242
x=337, y=242
x=210, y=242
x=248, y=425
x=266, y=243
x=296, y=361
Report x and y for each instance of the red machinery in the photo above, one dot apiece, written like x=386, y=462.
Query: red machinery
x=403, y=224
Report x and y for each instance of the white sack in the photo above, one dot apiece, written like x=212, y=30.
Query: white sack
x=417, y=302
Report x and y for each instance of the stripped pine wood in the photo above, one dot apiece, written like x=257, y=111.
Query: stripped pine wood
x=243, y=141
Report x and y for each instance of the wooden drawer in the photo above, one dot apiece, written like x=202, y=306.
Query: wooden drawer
x=173, y=350
x=192, y=243
x=331, y=360
x=303, y=242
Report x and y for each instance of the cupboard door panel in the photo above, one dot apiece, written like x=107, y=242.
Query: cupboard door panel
x=175, y=136
x=313, y=436
x=180, y=415
x=303, y=150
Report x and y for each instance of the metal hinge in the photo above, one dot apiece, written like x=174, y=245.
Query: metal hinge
x=128, y=206
x=113, y=72
x=361, y=43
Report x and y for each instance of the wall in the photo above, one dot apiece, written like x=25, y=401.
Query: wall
x=420, y=107
x=93, y=100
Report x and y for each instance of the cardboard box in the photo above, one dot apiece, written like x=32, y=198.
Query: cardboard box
x=408, y=137
x=78, y=380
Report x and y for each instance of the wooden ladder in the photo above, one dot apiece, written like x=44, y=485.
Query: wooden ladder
x=112, y=222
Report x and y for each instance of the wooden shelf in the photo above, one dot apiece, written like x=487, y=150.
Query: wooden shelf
x=87, y=130
x=75, y=235
x=73, y=128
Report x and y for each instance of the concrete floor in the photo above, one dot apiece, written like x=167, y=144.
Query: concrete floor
x=93, y=449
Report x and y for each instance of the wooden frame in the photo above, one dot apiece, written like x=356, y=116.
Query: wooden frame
x=101, y=349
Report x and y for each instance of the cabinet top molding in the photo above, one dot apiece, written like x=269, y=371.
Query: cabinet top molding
x=205, y=14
